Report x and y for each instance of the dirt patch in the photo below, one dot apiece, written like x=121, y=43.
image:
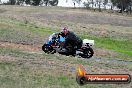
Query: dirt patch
x=20, y=46
x=36, y=48
x=104, y=53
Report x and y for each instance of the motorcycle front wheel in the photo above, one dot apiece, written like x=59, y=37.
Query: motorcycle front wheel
x=48, y=49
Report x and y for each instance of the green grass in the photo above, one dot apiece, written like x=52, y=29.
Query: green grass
x=51, y=57
x=29, y=33
x=31, y=28
x=28, y=70
x=24, y=33
x=23, y=69
x=121, y=46
x=117, y=45
x=17, y=53
x=17, y=73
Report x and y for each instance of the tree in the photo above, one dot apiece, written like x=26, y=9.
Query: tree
x=122, y=4
x=104, y=3
x=12, y=2
x=77, y=1
x=53, y=2
x=19, y=2
x=74, y=3
x=87, y=4
x=92, y=2
x=130, y=6
x=36, y=2
x=99, y=4
x=27, y=2
x=49, y=2
x=46, y=2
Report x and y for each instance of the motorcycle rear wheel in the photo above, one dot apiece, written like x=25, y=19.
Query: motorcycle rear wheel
x=88, y=53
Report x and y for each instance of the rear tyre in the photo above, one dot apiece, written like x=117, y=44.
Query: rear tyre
x=88, y=53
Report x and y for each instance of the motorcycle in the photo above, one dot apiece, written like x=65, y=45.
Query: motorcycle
x=55, y=44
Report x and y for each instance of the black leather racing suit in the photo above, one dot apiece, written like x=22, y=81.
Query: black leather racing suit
x=72, y=39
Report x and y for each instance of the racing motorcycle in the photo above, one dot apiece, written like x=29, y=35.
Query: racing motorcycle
x=55, y=44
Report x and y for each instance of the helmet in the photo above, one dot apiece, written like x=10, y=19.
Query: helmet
x=65, y=30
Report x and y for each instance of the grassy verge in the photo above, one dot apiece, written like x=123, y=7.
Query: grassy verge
x=32, y=34
x=32, y=70
x=24, y=33
x=121, y=46
x=24, y=69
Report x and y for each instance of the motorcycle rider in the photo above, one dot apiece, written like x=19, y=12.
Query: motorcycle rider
x=70, y=38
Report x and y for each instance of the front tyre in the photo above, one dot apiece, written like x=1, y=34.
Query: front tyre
x=48, y=49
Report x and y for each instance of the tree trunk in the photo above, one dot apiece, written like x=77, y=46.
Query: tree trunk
x=17, y=2
x=46, y=3
x=122, y=7
x=74, y=5
x=111, y=7
x=99, y=7
x=92, y=3
x=104, y=7
x=130, y=9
